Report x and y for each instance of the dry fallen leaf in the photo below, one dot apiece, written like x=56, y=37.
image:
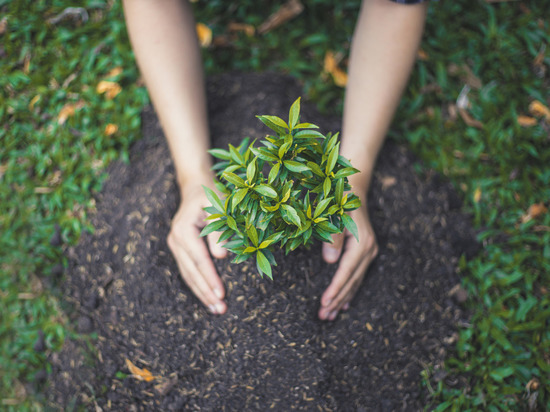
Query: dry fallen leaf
x=111, y=89
x=247, y=28
x=538, y=109
x=114, y=72
x=535, y=210
x=111, y=129
x=422, y=55
x=286, y=12
x=469, y=120
x=477, y=195
x=388, y=181
x=68, y=110
x=204, y=34
x=369, y=327
x=330, y=66
x=139, y=374
x=526, y=121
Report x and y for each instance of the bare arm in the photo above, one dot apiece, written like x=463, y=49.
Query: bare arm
x=164, y=40
x=383, y=51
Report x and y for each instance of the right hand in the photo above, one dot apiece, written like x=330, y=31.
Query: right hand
x=190, y=251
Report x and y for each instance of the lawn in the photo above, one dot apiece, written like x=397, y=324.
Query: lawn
x=476, y=110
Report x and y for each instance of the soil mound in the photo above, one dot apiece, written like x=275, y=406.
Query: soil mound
x=269, y=351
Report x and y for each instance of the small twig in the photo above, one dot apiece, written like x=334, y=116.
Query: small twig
x=70, y=12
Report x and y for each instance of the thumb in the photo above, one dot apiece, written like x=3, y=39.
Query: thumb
x=332, y=251
x=217, y=250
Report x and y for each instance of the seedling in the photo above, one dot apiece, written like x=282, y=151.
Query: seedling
x=301, y=196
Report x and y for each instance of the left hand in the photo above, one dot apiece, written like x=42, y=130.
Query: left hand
x=355, y=260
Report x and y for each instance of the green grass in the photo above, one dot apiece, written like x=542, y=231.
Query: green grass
x=49, y=170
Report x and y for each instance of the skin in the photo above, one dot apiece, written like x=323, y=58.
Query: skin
x=383, y=51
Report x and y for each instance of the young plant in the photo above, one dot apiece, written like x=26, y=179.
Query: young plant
x=301, y=196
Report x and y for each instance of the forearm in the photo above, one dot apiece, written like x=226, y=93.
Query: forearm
x=164, y=41
x=383, y=52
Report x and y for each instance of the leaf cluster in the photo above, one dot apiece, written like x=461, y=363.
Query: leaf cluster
x=301, y=196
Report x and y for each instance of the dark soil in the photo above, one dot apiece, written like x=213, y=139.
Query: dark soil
x=269, y=351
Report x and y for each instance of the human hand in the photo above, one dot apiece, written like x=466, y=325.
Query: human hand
x=355, y=260
x=191, y=254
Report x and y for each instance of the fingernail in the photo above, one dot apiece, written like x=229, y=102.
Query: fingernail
x=212, y=308
x=327, y=302
x=218, y=293
x=333, y=315
x=346, y=306
x=219, y=308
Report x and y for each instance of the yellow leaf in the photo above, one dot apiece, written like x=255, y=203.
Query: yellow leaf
x=477, y=195
x=535, y=210
x=66, y=111
x=204, y=34
x=330, y=65
x=114, y=72
x=111, y=89
x=111, y=129
x=34, y=100
x=139, y=374
x=526, y=121
x=536, y=108
x=369, y=327
x=422, y=55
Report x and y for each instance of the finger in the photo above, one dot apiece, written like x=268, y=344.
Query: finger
x=200, y=287
x=332, y=251
x=203, y=263
x=349, y=290
x=217, y=250
x=348, y=263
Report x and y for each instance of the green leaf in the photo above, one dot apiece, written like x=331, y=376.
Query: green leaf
x=263, y=264
x=220, y=154
x=274, y=123
x=214, y=216
x=292, y=215
x=233, y=178
x=306, y=126
x=214, y=199
x=315, y=169
x=295, y=167
x=330, y=143
x=339, y=191
x=273, y=173
x=225, y=235
x=264, y=154
x=266, y=190
x=251, y=171
x=343, y=161
x=500, y=373
x=212, y=227
x=294, y=113
x=250, y=249
x=322, y=206
x=350, y=226
x=309, y=134
x=235, y=155
x=283, y=149
x=352, y=204
x=231, y=223
x=326, y=186
x=345, y=172
x=252, y=235
x=332, y=158
x=238, y=196
x=321, y=234
x=266, y=243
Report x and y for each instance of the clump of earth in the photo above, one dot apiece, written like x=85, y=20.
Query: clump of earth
x=269, y=351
